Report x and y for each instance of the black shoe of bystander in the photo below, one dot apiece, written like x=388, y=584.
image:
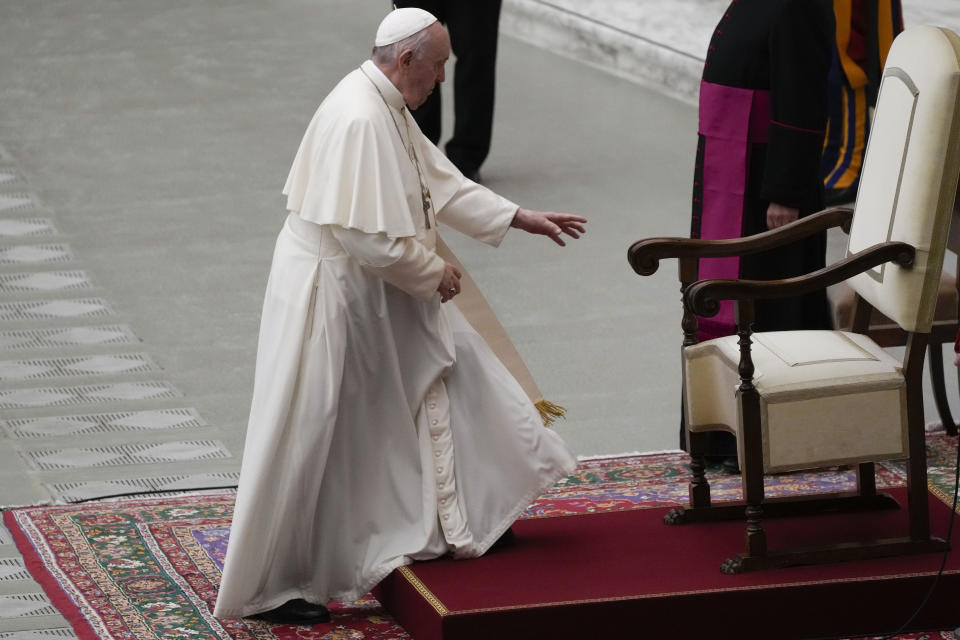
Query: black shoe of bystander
x=473, y=174
x=731, y=465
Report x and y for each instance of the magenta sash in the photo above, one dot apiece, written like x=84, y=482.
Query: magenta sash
x=731, y=120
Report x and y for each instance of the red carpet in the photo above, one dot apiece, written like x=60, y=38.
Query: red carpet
x=626, y=574
x=149, y=567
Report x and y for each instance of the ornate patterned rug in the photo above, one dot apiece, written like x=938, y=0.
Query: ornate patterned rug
x=149, y=567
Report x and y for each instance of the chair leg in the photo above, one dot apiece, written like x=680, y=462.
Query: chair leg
x=756, y=538
x=866, y=479
x=699, y=486
x=935, y=357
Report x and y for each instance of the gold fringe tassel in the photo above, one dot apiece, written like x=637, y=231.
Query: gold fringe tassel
x=549, y=412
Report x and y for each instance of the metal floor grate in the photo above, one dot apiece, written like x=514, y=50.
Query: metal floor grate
x=20, y=605
x=159, y=419
x=179, y=451
x=39, y=634
x=39, y=281
x=9, y=178
x=13, y=569
x=67, y=308
x=72, y=367
x=15, y=202
x=26, y=227
x=76, y=491
x=63, y=396
x=35, y=254
x=69, y=337
x=5, y=537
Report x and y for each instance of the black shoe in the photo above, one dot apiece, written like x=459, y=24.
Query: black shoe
x=731, y=466
x=297, y=611
x=507, y=539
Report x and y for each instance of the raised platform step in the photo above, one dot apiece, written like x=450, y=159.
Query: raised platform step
x=600, y=575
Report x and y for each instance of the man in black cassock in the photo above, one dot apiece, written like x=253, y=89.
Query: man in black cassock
x=763, y=111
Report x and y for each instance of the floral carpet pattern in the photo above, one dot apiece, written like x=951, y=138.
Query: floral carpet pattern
x=150, y=567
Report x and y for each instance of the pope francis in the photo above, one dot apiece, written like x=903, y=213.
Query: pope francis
x=383, y=429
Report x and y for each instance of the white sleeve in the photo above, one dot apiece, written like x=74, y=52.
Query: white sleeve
x=479, y=213
x=403, y=262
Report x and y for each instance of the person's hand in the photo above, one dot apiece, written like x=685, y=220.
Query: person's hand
x=779, y=215
x=549, y=223
x=449, y=283
x=956, y=359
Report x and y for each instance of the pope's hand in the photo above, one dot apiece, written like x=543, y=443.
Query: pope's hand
x=450, y=283
x=549, y=223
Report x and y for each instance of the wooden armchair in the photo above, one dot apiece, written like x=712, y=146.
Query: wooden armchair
x=812, y=399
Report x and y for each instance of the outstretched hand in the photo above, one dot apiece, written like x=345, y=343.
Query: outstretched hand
x=549, y=223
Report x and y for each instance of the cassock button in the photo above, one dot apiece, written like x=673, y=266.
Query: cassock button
x=435, y=438
x=446, y=516
x=433, y=422
x=436, y=453
x=433, y=405
x=439, y=469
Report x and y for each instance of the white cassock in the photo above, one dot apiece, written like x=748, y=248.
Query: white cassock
x=382, y=429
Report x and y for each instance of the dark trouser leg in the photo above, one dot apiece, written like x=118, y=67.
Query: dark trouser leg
x=428, y=115
x=473, y=26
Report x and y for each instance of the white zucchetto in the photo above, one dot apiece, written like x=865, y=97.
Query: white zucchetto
x=402, y=23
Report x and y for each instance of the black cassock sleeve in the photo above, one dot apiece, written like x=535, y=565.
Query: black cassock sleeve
x=801, y=46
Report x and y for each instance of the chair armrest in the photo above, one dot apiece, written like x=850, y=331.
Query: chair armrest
x=645, y=255
x=704, y=297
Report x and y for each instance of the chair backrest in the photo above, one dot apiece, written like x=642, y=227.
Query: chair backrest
x=909, y=176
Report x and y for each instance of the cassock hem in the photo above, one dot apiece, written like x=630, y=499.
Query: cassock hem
x=343, y=596
x=478, y=549
x=364, y=587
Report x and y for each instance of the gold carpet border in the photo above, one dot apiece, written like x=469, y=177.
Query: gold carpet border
x=699, y=592
x=424, y=591
x=945, y=498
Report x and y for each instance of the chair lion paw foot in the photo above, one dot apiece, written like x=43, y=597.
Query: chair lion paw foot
x=675, y=516
x=732, y=566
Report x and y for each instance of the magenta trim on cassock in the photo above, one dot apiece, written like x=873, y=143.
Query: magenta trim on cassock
x=731, y=119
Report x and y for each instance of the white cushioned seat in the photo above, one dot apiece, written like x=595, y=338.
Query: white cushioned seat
x=810, y=383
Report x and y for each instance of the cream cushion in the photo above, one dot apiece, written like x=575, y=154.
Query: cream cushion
x=826, y=397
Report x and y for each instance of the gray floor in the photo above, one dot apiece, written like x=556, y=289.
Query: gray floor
x=142, y=150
